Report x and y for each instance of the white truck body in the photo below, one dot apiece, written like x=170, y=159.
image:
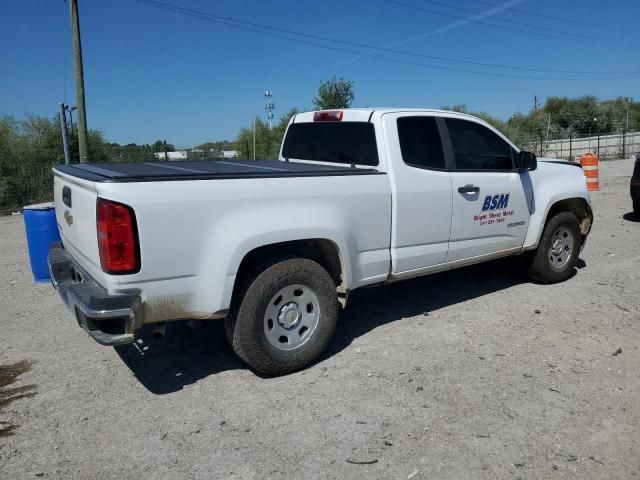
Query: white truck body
x=386, y=222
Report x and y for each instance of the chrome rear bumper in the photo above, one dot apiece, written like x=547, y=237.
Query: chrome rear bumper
x=108, y=319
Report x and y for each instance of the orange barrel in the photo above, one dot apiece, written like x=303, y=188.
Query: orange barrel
x=589, y=164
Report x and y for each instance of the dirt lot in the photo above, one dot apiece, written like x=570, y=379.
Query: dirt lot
x=475, y=373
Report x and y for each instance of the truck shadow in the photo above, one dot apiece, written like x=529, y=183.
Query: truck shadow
x=187, y=355
x=370, y=308
x=184, y=356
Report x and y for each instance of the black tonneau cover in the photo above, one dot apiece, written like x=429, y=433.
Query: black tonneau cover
x=203, y=170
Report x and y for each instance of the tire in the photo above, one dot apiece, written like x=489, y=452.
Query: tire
x=285, y=316
x=636, y=210
x=555, y=258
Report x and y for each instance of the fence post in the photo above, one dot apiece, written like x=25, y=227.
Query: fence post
x=561, y=142
x=598, y=147
x=65, y=136
x=624, y=149
x=570, y=146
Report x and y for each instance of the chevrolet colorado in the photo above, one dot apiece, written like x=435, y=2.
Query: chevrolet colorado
x=358, y=197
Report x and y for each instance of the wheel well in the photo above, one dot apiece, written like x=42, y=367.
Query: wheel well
x=579, y=207
x=320, y=250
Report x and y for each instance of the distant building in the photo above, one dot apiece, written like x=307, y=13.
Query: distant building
x=172, y=156
x=198, y=154
x=229, y=153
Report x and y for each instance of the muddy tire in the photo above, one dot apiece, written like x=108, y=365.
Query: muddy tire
x=284, y=316
x=555, y=258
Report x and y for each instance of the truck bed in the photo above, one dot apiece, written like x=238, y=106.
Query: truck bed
x=120, y=172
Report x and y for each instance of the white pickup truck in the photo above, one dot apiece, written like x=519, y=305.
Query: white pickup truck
x=359, y=197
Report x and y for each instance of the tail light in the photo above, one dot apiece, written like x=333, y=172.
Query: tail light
x=117, y=238
x=328, y=116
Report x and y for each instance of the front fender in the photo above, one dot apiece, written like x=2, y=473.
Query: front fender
x=552, y=183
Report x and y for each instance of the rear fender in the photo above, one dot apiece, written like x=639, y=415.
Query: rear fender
x=235, y=236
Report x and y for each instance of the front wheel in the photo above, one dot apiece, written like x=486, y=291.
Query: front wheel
x=557, y=253
x=285, y=317
x=636, y=210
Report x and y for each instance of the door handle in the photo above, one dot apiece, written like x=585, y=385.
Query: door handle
x=469, y=189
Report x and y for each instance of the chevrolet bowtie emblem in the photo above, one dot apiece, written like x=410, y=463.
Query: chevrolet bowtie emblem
x=68, y=217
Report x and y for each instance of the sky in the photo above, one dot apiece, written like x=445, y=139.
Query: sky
x=151, y=73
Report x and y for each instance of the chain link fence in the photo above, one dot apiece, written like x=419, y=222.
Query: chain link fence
x=607, y=147
x=26, y=177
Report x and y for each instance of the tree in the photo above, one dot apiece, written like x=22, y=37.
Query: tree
x=160, y=145
x=268, y=141
x=333, y=94
x=219, y=145
x=282, y=124
x=28, y=149
x=495, y=122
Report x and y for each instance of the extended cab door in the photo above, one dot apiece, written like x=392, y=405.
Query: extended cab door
x=490, y=207
x=421, y=187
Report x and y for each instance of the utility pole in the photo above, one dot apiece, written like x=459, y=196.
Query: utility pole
x=269, y=107
x=65, y=135
x=77, y=60
x=535, y=103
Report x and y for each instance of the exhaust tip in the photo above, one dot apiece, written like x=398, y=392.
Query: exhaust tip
x=159, y=330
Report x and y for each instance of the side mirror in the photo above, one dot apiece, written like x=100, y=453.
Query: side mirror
x=526, y=161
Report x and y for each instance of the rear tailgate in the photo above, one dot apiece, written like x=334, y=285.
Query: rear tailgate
x=75, y=201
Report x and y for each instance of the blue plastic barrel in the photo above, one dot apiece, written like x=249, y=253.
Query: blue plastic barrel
x=42, y=231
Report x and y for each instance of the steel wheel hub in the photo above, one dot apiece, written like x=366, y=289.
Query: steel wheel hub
x=557, y=247
x=291, y=317
x=561, y=247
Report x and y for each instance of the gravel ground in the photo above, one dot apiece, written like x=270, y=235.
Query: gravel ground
x=475, y=373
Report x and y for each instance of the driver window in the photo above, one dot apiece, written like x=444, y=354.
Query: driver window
x=475, y=147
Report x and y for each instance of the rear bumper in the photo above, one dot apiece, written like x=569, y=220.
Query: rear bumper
x=108, y=319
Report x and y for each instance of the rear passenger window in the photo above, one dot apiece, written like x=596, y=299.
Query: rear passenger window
x=420, y=142
x=477, y=148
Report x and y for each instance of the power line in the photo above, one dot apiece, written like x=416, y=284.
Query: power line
x=557, y=19
x=534, y=32
x=537, y=28
x=260, y=28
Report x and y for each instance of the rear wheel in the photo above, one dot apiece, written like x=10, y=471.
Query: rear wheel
x=285, y=317
x=636, y=210
x=557, y=253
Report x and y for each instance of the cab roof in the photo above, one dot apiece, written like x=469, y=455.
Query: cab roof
x=365, y=114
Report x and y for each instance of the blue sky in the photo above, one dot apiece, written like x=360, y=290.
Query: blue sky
x=153, y=74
